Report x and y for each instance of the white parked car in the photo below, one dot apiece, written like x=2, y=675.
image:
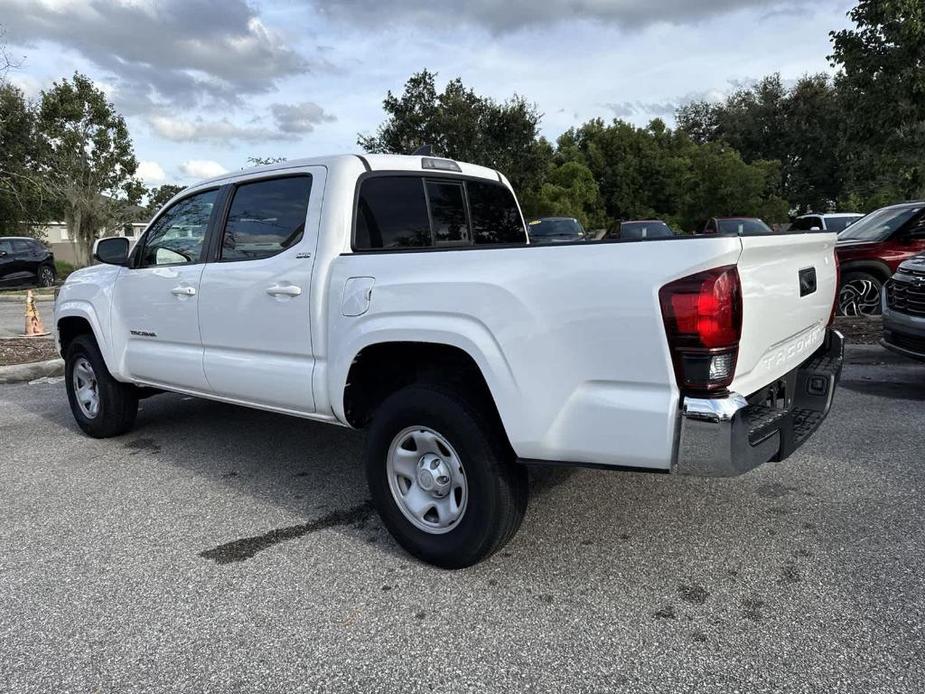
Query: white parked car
x=401, y=294
x=831, y=221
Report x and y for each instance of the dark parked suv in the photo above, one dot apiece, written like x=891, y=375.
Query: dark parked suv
x=25, y=261
x=904, y=310
x=870, y=250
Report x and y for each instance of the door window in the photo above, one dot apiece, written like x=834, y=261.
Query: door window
x=22, y=247
x=176, y=236
x=6, y=246
x=266, y=218
x=447, y=213
x=495, y=217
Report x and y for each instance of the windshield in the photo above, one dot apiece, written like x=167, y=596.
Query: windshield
x=743, y=227
x=878, y=225
x=556, y=228
x=637, y=231
x=839, y=224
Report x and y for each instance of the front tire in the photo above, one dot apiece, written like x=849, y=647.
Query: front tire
x=102, y=406
x=859, y=295
x=441, y=475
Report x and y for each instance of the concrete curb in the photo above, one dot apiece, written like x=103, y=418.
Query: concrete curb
x=20, y=373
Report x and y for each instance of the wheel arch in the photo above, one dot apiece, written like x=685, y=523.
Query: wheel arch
x=878, y=268
x=75, y=319
x=380, y=368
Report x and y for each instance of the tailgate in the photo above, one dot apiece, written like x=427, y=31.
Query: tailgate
x=785, y=312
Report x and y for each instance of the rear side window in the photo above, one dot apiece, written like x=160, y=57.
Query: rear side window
x=266, y=218
x=23, y=247
x=392, y=213
x=495, y=217
x=802, y=224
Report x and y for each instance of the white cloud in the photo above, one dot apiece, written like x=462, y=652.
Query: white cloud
x=299, y=118
x=198, y=129
x=512, y=15
x=202, y=168
x=176, y=51
x=151, y=173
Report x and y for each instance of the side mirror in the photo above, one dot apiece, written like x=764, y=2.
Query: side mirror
x=112, y=251
x=815, y=228
x=2, y=253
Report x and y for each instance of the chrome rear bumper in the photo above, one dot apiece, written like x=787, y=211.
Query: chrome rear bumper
x=724, y=437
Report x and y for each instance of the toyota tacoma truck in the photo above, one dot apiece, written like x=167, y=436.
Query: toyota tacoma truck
x=401, y=295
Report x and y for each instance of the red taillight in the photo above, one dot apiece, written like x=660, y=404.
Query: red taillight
x=703, y=321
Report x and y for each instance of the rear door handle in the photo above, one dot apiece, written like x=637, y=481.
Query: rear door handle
x=284, y=290
x=183, y=291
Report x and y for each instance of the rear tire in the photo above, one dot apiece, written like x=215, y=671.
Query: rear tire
x=101, y=405
x=459, y=470
x=860, y=294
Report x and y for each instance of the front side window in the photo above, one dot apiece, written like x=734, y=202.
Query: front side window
x=392, y=213
x=447, y=212
x=495, y=217
x=266, y=218
x=177, y=235
x=6, y=246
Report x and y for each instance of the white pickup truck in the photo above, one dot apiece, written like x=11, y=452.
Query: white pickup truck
x=401, y=295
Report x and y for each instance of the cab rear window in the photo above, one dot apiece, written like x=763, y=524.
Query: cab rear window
x=402, y=212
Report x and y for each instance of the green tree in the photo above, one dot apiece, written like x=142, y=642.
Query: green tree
x=88, y=164
x=462, y=125
x=800, y=127
x=158, y=196
x=571, y=191
x=881, y=80
x=22, y=204
x=264, y=161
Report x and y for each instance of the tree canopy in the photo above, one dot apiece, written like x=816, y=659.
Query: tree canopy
x=460, y=124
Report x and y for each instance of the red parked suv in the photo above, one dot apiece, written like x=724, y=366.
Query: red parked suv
x=870, y=250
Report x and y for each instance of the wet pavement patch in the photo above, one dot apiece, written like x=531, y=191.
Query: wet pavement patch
x=246, y=548
x=139, y=446
x=666, y=612
x=695, y=595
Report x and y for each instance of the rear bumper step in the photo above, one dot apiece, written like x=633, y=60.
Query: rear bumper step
x=724, y=437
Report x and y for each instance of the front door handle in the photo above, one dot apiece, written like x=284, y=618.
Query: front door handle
x=284, y=290
x=183, y=291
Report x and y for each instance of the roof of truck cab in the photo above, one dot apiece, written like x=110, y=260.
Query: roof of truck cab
x=373, y=162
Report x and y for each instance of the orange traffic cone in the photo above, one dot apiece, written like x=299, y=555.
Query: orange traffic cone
x=34, y=326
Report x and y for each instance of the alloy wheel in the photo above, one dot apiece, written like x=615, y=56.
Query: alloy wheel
x=859, y=297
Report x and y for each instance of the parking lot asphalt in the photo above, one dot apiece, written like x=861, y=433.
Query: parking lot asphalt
x=222, y=549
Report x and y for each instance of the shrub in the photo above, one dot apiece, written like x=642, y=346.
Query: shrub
x=63, y=269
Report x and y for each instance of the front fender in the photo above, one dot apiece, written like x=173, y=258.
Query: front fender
x=87, y=294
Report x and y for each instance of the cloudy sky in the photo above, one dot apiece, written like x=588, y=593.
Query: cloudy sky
x=206, y=83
